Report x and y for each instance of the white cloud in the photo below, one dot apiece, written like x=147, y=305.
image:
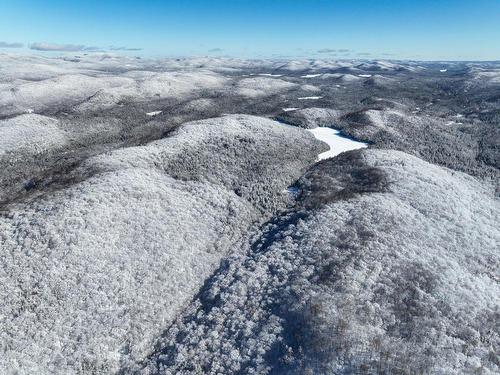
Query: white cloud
x=76, y=47
x=10, y=45
x=124, y=49
x=60, y=47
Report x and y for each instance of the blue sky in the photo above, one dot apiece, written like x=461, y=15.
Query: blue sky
x=418, y=29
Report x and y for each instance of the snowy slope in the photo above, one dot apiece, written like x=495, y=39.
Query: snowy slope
x=32, y=133
x=93, y=272
x=378, y=269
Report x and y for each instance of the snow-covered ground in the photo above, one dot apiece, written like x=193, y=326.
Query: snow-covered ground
x=171, y=243
x=110, y=261
x=270, y=75
x=30, y=132
x=337, y=143
x=154, y=113
x=310, y=97
x=262, y=86
x=310, y=76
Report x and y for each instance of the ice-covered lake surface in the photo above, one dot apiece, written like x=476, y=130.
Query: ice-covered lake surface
x=337, y=142
x=310, y=98
x=154, y=113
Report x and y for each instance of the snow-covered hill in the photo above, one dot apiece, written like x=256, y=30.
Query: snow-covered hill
x=171, y=216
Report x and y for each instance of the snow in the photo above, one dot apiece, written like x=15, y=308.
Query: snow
x=337, y=143
x=313, y=117
x=395, y=255
x=150, y=85
x=310, y=75
x=310, y=98
x=488, y=76
x=111, y=259
x=31, y=132
x=105, y=246
x=270, y=75
x=443, y=70
x=262, y=86
x=67, y=89
x=154, y=113
x=201, y=104
x=342, y=77
x=86, y=89
x=365, y=75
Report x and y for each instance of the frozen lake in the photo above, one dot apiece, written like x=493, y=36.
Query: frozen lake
x=337, y=142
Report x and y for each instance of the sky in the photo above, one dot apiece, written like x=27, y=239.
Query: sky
x=369, y=29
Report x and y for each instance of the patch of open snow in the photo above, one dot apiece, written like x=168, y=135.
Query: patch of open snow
x=290, y=109
x=443, y=70
x=310, y=88
x=270, y=75
x=310, y=76
x=154, y=113
x=337, y=143
x=365, y=75
x=310, y=98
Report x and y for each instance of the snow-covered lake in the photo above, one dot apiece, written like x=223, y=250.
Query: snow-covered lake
x=337, y=143
x=154, y=113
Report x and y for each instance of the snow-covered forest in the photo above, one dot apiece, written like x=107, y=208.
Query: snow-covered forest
x=230, y=216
